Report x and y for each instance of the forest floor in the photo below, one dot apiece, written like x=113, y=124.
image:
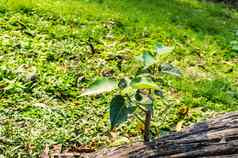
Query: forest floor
x=46, y=60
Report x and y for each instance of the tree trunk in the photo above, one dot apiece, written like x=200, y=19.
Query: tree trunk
x=216, y=138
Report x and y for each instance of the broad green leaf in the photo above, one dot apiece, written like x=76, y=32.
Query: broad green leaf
x=118, y=110
x=147, y=59
x=143, y=83
x=100, y=86
x=131, y=109
x=170, y=69
x=161, y=49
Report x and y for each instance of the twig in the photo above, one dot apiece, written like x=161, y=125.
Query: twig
x=148, y=122
x=93, y=50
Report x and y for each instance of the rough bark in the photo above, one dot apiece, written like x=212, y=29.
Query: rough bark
x=216, y=138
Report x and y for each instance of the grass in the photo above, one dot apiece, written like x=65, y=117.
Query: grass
x=46, y=61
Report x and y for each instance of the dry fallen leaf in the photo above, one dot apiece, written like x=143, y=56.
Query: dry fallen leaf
x=183, y=111
x=57, y=148
x=179, y=126
x=113, y=136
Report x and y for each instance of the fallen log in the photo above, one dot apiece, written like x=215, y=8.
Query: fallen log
x=211, y=139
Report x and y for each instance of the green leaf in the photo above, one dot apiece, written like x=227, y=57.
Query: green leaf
x=234, y=45
x=118, y=110
x=161, y=49
x=170, y=69
x=234, y=42
x=235, y=48
x=131, y=109
x=128, y=91
x=100, y=86
x=146, y=100
x=143, y=83
x=147, y=59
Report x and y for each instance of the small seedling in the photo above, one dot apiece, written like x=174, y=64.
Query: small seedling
x=137, y=92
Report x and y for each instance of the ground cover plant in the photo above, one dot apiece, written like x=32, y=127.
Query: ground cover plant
x=51, y=51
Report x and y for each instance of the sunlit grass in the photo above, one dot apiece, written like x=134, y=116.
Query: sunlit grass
x=46, y=61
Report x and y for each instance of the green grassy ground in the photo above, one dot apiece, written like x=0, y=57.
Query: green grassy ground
x=45, y=62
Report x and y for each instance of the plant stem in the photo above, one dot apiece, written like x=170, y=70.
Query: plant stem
x=142, y=108
x=138, y=104
x=147, y=122
x=139, y=118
